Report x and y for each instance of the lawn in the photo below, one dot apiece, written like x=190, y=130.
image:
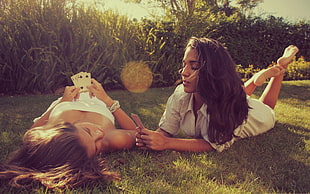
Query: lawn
x=275, y=162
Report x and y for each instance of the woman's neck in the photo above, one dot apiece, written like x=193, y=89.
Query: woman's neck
x=197, y=102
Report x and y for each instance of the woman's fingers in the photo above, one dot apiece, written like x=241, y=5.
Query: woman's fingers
x=77, y=95
x=144, y=138
x=139, y=141
x=71, y=93
x=74, y=93
x=96, y=89
x=152, y=139
x=95, y=82
x=145, y=131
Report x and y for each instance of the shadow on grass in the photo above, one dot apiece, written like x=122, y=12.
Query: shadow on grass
x=276, y=159
x=298, y=90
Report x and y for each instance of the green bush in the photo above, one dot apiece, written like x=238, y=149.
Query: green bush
x=246, y=72
x=44, y=42
x=298, y=70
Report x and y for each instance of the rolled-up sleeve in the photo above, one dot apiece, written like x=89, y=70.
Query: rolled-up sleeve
x=170, y=120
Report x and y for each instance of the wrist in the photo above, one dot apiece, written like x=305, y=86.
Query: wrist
x=108, y=101
x=168, y=142
x=114, y=106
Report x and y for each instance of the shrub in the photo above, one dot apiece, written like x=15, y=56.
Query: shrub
x=246, y=72
x=298, y=70
x=44, y=42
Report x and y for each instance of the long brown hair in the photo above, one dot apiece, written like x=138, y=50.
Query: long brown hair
x=221, y=88
x=54, y=157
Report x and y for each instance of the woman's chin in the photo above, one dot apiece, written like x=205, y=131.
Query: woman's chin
x=188, y=90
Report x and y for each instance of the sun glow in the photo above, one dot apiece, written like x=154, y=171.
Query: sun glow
x=132, y=10
x=136, y=76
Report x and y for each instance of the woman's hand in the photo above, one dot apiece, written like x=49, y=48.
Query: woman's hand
x=70, y=93
x=151, y=139
x=96, y=89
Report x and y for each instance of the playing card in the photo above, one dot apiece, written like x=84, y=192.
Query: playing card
x=137, y=120
x=82, y=80
x=74, y=79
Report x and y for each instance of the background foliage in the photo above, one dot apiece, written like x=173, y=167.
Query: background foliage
x=44, y=42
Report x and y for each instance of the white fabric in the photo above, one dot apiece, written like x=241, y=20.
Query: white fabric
x=179, y=115
x=84, y=103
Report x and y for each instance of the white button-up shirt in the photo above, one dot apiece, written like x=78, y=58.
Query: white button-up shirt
x=179, y=115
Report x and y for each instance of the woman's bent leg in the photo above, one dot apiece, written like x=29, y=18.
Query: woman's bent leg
x=271, y=92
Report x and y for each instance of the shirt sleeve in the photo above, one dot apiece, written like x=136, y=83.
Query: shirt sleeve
x=170, y=120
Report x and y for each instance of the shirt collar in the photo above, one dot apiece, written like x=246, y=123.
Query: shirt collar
x=190, y=108
x=190, y=103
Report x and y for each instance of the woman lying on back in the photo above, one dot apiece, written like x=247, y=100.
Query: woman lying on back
x=60, y=148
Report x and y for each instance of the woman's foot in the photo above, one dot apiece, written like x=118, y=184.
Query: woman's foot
x=287, y=56
x=263, y=75
x=278, y=69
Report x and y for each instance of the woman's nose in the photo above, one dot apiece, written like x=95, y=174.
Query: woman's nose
x=185, y=71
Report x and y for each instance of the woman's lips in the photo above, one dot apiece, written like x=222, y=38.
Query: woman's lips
x=186, y=83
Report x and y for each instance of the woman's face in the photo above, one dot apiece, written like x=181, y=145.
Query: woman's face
x=91, y=137
x=190, y=69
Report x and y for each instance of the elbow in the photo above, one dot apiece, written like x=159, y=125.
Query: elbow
x=124, y=140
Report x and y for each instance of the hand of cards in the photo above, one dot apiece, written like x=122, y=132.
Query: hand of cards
x=81, y=80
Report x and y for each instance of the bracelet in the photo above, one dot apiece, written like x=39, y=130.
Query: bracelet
x=114, y=106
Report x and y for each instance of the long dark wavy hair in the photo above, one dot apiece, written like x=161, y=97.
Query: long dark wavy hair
x=55, y=158
x=221, y=88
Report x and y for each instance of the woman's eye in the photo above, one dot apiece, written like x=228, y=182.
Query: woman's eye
x=195, y=68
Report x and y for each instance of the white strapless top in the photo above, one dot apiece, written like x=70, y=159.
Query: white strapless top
x=84, y=103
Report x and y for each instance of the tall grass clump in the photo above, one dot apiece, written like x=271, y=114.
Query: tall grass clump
x=30, y=44
x=44, y=42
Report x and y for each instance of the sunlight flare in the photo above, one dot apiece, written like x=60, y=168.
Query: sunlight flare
x=136, y=76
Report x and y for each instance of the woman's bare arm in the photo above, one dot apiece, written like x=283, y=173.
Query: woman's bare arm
x=161, y=140
x=121, y=117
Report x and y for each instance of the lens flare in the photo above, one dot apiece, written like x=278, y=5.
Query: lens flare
x=136, y=76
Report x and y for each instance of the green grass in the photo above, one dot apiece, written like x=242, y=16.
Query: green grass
x=275, y=162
